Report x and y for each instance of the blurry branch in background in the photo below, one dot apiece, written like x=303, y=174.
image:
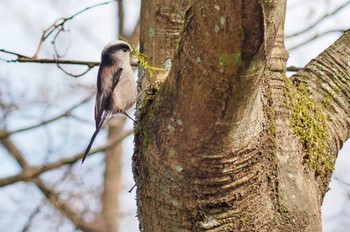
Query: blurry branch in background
x=133, y=38
x=109, y=213
x=58, y=26
x=48, y=192
x=293, y=69
x=56, y=29
x=341, y=180
x=32, y=172
x=30, y=219
x=64, y=208
x=315, y=24
x=113, y=158
x=316, y=37
x=67, y=113
x=325, y=16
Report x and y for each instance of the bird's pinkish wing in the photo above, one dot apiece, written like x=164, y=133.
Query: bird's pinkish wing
x=107, y=80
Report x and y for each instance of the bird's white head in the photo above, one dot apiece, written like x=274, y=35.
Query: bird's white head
x=116, y=52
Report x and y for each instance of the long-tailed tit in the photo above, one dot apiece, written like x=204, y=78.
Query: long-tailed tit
x=116, y=87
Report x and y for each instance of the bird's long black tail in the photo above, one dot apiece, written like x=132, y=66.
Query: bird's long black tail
x=90, y=144
x=103, y=121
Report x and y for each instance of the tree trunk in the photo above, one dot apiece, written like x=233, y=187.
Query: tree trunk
x=112, y=183
x=224, y=141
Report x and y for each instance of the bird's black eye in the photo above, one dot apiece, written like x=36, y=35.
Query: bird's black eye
x=125, y=49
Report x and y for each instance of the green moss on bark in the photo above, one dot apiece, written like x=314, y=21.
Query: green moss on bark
x=308, y=122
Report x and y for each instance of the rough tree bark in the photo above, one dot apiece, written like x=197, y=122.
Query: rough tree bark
x=224, y=140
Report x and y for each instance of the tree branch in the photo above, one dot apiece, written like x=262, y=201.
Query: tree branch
x=293, y=69
x=316, y=37
x=33, y=172
x=134, y=37
x=74, y=75
x=4, y=134
x=327, y=79
x=112, y=177
x=25, y=59
x=50, y=194
x=57, y=27
x=53, y=197
x=30, y=219
x=15, y=153
x=319, y=20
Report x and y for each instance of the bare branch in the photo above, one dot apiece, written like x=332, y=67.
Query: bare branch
x=75, y=75
x=121, y=19
x=14, y=53
x=316, y=37
x=335, y=177
x=32, y=172
x=133, y=38
x=25, y=59
x=54, y=44
x=50, y=194
x=44, y=37
x=31, y=217
x=112, y=180
x=5, y=134
x=293, y=69
x=319, y=20
x=53, y=197
x=15, y=153
x=58, y=25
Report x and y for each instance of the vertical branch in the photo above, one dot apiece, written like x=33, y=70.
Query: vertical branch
x=121, y=19
x=112, y=175
x=112, y=180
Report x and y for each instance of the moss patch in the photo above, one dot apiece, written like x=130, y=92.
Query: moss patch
x=308, y=122
x=143, y=62
x=227, y=59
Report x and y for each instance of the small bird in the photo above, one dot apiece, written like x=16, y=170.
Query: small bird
x=116, y=86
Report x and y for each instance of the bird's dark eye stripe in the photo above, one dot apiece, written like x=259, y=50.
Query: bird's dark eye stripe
x=107, y=59
x=117, y=47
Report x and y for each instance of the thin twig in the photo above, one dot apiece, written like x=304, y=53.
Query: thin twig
x=63, y=207
x=341, y=180
x=319, y=20
x=57, y=27
x=316, y=37
x=15, y=153
x=14, y=53
x=50, y=194
x=30, y=219
x=293, y=69
x=74, y=75
x=36, y=171
x=24, y=59
x=53, y=42
x=5, y=134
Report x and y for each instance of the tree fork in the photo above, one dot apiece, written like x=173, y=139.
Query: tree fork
x=215, y=149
